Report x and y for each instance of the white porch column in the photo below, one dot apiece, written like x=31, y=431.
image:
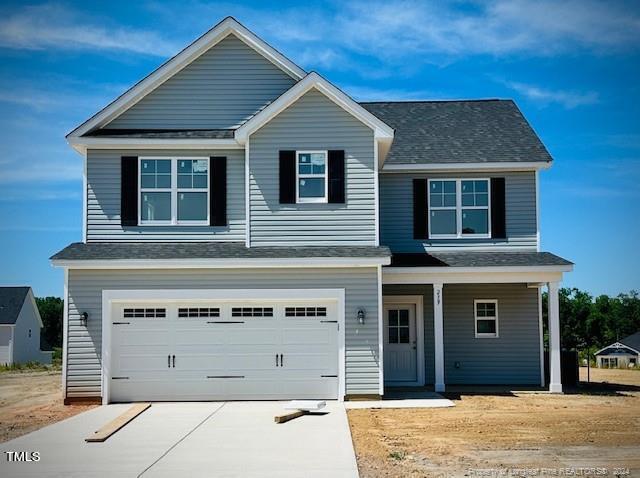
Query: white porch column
x=555, y=380
x=438, y=335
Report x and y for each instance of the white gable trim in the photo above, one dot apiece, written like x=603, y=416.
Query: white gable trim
x=226, y=27
x=467, y=167
x=616, y=345
x=382, y=131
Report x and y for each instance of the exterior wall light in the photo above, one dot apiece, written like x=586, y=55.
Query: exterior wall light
x=84, y=317
x=361, y=316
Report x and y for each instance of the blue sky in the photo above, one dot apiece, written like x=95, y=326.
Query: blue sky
x=571, y=66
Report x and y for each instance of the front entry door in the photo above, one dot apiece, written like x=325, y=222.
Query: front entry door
x=400, y=348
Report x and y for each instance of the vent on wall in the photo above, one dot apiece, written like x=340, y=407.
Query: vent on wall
x=252, y=312
x=144, y=313
x=305, y=311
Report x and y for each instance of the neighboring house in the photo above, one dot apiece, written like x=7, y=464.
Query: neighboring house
x=252, y=232
x=20, y=326
x=623, y=353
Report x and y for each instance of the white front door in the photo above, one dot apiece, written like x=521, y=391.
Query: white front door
x=400, y=344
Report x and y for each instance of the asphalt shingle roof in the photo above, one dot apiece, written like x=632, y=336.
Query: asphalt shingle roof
x=477, y=259
x=473, y=131
x=11, y=301
x=163, y=133
x=632, y=341
x=207, y=250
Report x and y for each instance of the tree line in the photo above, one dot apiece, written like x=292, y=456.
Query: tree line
x=585, y=321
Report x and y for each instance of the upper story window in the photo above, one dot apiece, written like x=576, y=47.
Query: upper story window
x=459, y=208
x=311, y=176
x=174, y=191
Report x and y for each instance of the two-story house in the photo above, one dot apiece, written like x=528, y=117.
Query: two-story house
x=252, y=232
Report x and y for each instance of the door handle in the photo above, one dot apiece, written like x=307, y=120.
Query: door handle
x=276, y=360
x=281, y=360
x=169, y=361
x=174, y=361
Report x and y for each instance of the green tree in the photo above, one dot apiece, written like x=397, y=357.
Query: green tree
x=51, y=311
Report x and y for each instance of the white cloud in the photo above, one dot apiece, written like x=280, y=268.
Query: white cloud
x=50, y=26
x=360, y=93
x=545, y=96
x=441, y=31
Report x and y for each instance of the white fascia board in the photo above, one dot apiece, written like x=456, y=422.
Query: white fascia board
x=467, y=167
x=310, y=262
x=472, y=275
x=382, y=131
x=82, y=144
x=226, y=27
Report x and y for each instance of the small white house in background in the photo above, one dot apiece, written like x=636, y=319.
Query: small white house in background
x=20, y=326
x=621, y=354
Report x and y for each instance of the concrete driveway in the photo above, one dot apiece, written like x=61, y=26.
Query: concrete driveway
x=191, y=440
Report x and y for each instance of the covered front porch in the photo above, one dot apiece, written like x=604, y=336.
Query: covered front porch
x=470, y=319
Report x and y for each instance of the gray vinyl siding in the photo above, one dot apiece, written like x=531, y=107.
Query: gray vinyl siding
x=221, y=89
x=312, y=123
x=103, y=200
x=85, y=294
x=396, y=213
x=512, y=358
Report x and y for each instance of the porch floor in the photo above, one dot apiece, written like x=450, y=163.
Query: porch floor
x=405, y=397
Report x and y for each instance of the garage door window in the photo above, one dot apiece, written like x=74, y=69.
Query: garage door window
x=252, y=311
x=144, y=313
x=185, y=312
x=305, y=311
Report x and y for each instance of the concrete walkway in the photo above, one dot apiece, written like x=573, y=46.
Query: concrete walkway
x=230, y=439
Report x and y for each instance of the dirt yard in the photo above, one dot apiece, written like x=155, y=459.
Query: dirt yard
x=611, y=376
x=31, y=400
x=500, y=435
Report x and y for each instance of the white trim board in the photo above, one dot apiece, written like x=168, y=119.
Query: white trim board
x=219, y=32
x=307, y=262
x=81, y=144
x=467, y=167
x=172, y=295
x=418, y=302
x=470, y=275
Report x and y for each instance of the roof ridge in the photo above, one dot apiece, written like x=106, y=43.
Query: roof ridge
x=466, y=100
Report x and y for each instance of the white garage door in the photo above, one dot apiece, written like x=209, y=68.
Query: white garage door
x=204, y=350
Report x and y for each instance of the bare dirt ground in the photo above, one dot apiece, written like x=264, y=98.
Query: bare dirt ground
x=32, y=400
x=502, y=435
x=611, y=375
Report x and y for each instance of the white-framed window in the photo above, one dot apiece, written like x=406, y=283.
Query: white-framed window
x=459, y=208
x=173, y=191
x=486, y=318
x=311, y=177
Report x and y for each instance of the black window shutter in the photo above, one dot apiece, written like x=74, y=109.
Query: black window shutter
x=420, y=209
x=336, y=176
x=129, y=190
x=218, y=191
x=287, y=177
x=498, y=216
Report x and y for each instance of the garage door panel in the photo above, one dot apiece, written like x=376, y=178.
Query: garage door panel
x=224, y=355
x=137, y=335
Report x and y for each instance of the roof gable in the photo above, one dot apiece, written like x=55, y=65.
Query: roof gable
x=313, y=80
x=148, y=84
x=221, y=89
x=11, y=302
